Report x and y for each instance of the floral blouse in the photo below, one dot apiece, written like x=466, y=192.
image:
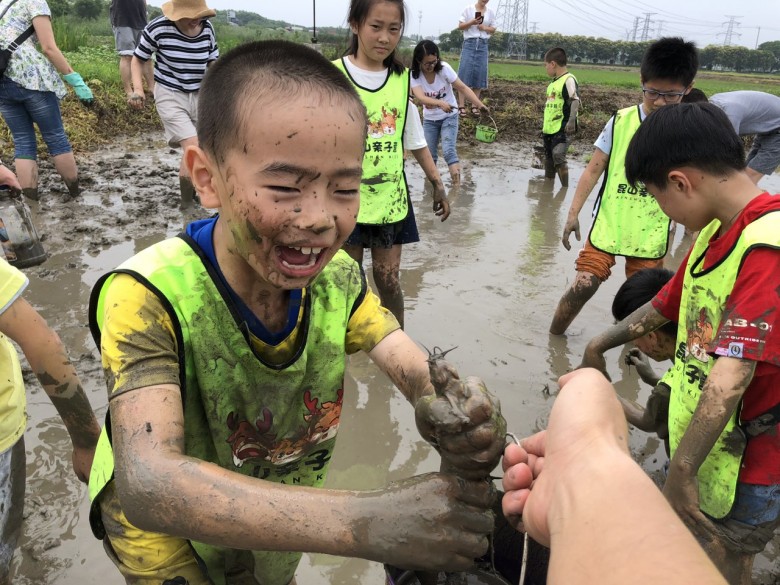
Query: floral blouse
x=28, y=67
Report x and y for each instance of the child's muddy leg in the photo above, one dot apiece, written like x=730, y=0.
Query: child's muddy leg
x=563, y=174
x=387, y=269
x=582, y=289
x=549, y=168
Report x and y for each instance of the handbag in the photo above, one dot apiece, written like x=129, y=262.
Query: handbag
x=6, y=53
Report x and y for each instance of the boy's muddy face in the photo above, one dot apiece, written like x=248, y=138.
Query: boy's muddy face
x=290, y=192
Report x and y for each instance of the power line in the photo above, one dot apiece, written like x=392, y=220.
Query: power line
x=730, y=24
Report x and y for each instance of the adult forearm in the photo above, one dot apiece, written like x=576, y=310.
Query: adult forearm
x=55, y=56
x=596, y=498
x=136, y=75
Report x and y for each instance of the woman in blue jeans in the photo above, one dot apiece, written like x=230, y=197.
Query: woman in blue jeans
x=478, y=23
x=30, y=91
x=432, y=84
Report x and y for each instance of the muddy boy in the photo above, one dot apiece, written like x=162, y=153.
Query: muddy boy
x=724, y=409
x=224, y=350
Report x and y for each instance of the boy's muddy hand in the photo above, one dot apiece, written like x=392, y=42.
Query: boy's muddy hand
x=426, y=522
x=682, y=493
x=463, y=420
x=641, y=362
x=572, y=225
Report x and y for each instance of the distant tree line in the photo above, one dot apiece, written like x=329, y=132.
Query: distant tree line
x=765, y=59
x=581, y=49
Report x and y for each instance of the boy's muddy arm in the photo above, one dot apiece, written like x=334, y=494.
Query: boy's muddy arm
x=641, y=322
x=49, y=361
x=588, y=180
x=722, y=391
x=441, y=205
x=636, y=415
x=427, y=522
x=571, y=125
x=398, y=356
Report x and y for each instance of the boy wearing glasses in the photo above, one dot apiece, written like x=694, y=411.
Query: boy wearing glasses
x=627, y=221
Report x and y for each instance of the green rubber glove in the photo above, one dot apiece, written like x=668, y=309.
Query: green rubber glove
x=77, y=83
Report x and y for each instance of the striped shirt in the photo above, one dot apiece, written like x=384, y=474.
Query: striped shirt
x=181, y=60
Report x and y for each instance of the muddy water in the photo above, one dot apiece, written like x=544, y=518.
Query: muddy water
x=487, y=281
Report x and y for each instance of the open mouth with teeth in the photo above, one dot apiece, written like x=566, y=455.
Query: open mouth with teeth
x=299, y=260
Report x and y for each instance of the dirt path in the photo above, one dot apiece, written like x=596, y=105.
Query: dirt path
x=486, y=280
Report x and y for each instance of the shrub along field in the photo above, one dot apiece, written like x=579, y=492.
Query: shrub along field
x=516, y=94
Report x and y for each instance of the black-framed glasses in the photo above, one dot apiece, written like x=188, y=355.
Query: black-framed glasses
x=670, y=97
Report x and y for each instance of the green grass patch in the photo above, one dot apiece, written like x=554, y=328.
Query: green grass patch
x=628, y=77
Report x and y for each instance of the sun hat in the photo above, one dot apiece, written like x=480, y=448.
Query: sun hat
x=178, y=9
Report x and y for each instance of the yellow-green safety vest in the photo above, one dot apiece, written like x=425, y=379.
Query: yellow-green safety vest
x=273, y=422
x=384, y=194
x=704, y=296
x=629, y=221
x=556, y=109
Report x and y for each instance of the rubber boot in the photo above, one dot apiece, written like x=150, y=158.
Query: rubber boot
x=32, y=193
x=563, y=174
x=73, y=188
x=187, y=192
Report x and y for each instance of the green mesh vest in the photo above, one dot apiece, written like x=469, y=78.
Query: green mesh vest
x=704, y=296
x=556, y=110
x=275, y=423
x=629, y=221
x=384, y=194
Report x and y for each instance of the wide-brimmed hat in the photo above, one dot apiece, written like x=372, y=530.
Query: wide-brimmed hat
x=178, y=9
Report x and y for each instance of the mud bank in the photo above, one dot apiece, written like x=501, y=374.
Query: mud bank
x=487, y=280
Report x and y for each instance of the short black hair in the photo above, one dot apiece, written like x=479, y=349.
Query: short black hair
x=277, y=70
x=670, y=58
x=694, y=96
x=556, y=54
x=639, y=289
x=678, y=135
x=422, y=50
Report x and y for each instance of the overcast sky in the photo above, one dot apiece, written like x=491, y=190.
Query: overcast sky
x=704, y=21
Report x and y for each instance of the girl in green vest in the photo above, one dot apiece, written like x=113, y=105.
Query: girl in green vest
x=386, y=218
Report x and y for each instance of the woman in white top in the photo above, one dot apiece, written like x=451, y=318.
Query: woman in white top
x=478, y=23
x=432, y=83
x=30, y=91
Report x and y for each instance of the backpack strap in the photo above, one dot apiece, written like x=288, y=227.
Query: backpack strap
x=20, y=39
